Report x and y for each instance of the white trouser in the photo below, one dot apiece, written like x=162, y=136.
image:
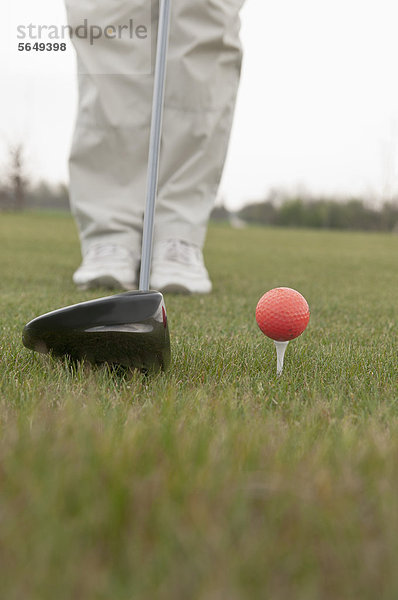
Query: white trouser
x=108, y=162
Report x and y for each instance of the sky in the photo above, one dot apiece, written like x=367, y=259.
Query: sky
x=317, y=108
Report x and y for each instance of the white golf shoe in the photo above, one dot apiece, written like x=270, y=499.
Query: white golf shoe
x=107, y=265
x=178, y=267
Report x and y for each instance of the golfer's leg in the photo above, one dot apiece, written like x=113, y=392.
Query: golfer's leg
x=110, y=148
x=202, y=82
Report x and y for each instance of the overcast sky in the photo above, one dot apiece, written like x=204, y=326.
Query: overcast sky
x=317, y=108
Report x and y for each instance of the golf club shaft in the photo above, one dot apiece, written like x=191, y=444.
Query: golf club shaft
x=154, y=143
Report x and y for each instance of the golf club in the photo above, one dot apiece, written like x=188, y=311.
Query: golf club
x=129, y=329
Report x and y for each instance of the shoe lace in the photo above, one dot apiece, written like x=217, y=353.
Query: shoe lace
x=181, y=251
x=98, y=251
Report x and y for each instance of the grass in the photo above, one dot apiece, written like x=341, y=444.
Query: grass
x=216, y=480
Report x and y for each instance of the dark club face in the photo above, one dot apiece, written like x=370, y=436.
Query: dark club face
x=128, y=329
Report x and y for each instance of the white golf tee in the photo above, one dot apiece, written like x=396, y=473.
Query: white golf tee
x=280, y=355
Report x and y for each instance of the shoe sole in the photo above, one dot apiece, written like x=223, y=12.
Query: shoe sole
x=175, y=288
x=167, y=278
x=106, y=281
x=180, y=288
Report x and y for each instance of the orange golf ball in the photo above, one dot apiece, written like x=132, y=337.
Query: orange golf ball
x=282, y=314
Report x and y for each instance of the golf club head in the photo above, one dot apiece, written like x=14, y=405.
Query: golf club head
x=128, y=329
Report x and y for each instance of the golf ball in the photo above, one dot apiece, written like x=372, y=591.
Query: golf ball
x=282, y=314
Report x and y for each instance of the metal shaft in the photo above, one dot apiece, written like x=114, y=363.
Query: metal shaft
x=154, y=142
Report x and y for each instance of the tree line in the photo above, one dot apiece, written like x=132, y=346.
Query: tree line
x=322, y=213
x=18, y=193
